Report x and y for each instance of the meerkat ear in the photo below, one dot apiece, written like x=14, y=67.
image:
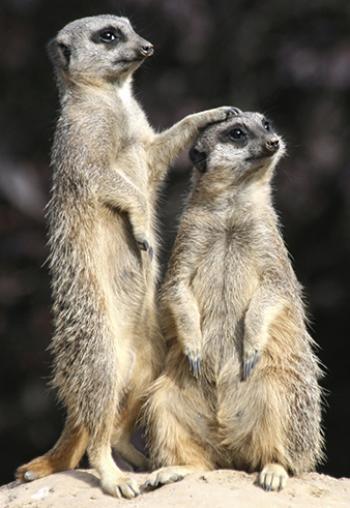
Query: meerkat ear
x=59, y=53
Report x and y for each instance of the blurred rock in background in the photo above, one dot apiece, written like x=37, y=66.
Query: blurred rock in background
x=290, y=60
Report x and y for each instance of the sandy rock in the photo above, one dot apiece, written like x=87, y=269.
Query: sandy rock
x=79, y=489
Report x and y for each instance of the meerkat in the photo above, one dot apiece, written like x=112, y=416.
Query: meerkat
x=108, y=164
x=240, y=384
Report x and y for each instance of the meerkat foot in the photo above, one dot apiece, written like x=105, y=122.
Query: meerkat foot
x=249, y=363
x=166, y=475
x=194, y=361
x=120, y=487
x=35, y=469
x=273, y=477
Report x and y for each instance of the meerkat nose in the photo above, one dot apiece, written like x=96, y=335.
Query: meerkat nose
x=147, y=49
x=272, y=144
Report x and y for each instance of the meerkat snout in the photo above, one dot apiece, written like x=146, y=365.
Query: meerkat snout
x=147, y=49
x=272, y=145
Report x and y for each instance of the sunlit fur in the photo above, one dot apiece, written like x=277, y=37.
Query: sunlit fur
x=231, y=296
x=108, y=164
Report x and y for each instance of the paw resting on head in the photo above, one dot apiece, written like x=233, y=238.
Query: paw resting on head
x=218, y=115
x=228, y=112
x=232, y=111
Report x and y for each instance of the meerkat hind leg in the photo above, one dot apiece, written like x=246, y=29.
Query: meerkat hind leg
x=121, y=437
x=66, y=454
x=131, y=454
x=113, y=481
x=273, y=477
x=176, y=442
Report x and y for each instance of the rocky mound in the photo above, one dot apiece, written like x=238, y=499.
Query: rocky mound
x=79, y=489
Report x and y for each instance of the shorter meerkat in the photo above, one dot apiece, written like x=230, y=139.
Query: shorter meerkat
x=108, y=165
x=240, y=383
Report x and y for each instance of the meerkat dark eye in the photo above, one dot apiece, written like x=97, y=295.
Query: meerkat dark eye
x=237, y=133
x=108, y=36
x=266, y=125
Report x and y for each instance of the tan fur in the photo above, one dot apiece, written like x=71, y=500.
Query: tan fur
x=108, y=165
x=239, y=388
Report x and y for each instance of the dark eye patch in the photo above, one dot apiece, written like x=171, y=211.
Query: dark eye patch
x=236, y=133
x=110, y=36
x=266, y=124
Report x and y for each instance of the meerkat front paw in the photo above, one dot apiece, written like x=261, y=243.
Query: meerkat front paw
x=145, y=246
x=251, y=356
x=221, y=114
x=194, y=360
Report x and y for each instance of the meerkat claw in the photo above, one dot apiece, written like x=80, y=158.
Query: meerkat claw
x=273, y=478
x=145, y=246
x=249, y=365
x=233, y=111
x=195, y=366
x=29, y=476
x=194, y=361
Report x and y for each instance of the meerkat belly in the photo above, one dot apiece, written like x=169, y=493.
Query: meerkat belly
x=223, y=285
x=121, y=271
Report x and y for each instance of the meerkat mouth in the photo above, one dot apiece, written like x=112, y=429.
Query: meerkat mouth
x=126, y=61
x=259, y=157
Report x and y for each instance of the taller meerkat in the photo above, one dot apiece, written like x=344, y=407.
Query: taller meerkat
x=108, y=164
x=240, y=382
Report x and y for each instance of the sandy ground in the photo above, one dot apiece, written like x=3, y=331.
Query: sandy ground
x=79, y=489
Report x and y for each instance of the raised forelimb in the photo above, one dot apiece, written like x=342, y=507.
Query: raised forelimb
x=168, y=144
x=117, y=191
x=263, y=308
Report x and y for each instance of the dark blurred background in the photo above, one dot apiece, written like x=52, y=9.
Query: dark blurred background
x=290, y=60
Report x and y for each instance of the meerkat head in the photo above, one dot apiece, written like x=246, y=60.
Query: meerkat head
x=98, y=48
x=243, y=148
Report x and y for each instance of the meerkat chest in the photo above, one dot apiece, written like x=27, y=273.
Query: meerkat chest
x=132, y=162
x=225, y=277
x=133, y=134
x=241, y=273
